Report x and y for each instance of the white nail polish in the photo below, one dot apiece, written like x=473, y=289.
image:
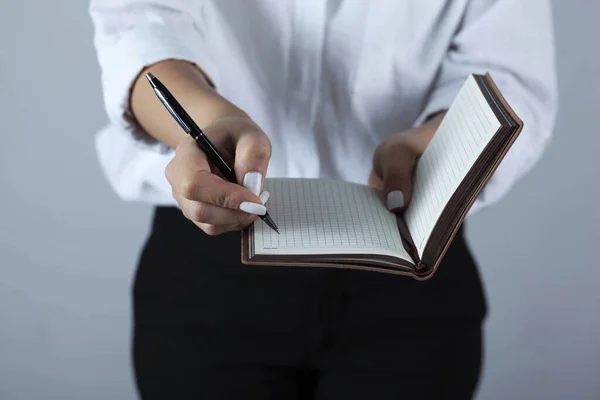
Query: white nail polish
x=395, y=199
x=264, y=196
x=252, y=182
x=253, y=208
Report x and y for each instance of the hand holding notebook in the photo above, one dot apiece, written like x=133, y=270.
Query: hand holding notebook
x=395, y=160
x=339, y=224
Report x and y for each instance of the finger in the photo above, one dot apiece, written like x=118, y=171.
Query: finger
x=189, y=162
x=264, y=197
x=206, y=187
x=375, y=181
x=190, y=176
x=252, y=154
x=214, y=230
x=395, y=166
x=189, y=159
x=210, y=213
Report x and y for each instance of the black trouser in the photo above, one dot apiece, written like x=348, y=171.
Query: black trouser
x=208, y=327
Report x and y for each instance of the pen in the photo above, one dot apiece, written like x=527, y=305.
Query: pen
x=189, y=126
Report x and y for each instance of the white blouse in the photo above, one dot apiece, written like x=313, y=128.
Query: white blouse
x=327, y=80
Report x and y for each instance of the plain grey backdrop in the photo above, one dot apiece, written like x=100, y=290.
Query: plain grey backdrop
x=68, y=245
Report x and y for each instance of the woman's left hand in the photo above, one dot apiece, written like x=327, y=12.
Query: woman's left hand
x=395, y=160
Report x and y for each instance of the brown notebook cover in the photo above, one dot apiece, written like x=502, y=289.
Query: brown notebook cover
x=445, y=227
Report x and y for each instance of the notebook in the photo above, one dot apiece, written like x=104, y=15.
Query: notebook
x=332, y=223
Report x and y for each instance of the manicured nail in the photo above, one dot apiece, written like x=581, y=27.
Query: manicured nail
x=264, y=196
x=253, y=208
x=252, y=181
x=395, y=199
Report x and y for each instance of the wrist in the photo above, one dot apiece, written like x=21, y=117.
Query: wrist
x=215, y=111
x=193, y=91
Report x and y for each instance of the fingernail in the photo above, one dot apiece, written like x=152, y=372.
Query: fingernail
x=395, y=199
x=253, y=208
x=264, y=196
x=252, y=182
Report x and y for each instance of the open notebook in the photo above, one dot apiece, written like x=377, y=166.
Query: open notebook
x=341, y=224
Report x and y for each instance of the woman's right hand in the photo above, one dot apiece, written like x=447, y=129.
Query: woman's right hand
x=206, y=198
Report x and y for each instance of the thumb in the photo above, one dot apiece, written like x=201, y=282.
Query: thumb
x=395, y=166
x=252, y=154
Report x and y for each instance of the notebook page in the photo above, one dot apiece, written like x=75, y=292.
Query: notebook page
x=466, y=129
x=320, y=216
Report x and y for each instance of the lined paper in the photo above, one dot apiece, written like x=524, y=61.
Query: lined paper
x=320, y=216
x=466, y=129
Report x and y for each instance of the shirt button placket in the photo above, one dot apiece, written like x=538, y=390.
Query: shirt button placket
x=307, y=39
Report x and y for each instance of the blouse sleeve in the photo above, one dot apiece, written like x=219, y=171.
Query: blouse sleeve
x=132, y=34
x=513, y=41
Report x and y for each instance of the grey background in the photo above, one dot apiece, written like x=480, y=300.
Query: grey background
x=68, y=245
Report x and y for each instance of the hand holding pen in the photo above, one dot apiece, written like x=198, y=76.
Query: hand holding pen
x=214, y=204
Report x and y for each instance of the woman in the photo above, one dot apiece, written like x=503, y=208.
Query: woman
x=350, y=90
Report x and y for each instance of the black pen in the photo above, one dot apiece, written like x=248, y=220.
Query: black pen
x=190, y=127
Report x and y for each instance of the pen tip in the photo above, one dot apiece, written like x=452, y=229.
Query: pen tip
x=149, y=76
